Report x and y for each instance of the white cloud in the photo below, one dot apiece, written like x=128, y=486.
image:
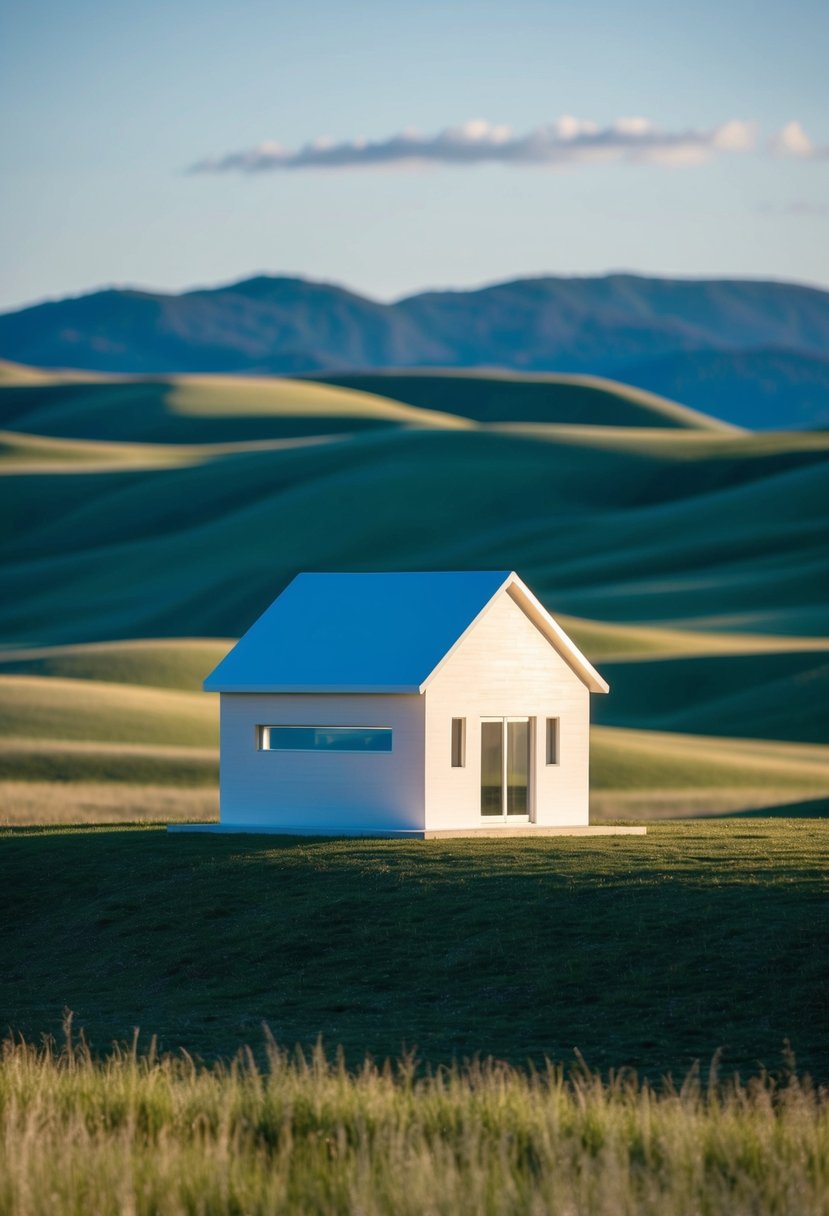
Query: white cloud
x=792, y=140
x=568, y=127
x=633, y=126
x=566, y=141
x=734, y=136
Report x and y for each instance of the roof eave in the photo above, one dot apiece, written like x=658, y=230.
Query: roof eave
x=564, y=644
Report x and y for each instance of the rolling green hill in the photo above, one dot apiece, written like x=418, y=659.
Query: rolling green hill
x=194, y=409
x=727, y=535
x=144, y=519
x=765, y=696
x=51, y=726
x=179, y=663
x=82, y=710
x=491, y=396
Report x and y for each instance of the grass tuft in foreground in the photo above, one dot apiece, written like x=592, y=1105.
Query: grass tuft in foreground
x=299, y=1135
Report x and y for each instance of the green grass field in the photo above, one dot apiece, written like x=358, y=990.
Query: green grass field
x=644, y=952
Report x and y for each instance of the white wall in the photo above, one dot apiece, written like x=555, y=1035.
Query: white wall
x=506, y=668
x=330, y=790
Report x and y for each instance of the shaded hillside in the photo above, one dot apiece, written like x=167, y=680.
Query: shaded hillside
x=731, y=347
x=501, y=397
x=762, y=695
x=191, y=409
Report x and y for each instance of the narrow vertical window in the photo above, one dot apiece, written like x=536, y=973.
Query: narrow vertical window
x=552, y=740
x=458, y=742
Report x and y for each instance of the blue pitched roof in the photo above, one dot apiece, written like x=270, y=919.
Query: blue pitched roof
x=356, y=632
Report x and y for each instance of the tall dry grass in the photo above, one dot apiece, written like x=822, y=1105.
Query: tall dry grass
x=141, y=1135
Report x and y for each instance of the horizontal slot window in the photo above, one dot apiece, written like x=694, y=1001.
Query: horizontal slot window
x=325, y=738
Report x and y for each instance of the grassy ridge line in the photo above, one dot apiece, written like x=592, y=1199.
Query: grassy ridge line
x=183, y=662
x=40, y=717
x=134, y=1133
x=37, y=453
x=623, y=759
x=604, y=641
x=176, y=663
x=24, y=454
x=36, y=401
x=679, y=445
x=495, y=396
x=81, y=711
x=635, y=536
x=27, y=375
x=201, y=409
x=65, y=762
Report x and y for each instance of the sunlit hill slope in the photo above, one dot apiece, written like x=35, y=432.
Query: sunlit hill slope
x=145, y=519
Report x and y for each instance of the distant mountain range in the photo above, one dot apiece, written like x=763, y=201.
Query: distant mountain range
x=749, y=352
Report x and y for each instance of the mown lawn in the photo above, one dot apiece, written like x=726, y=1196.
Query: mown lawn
x=643, y=952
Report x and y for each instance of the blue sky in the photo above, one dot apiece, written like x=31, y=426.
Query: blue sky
x=108, y=105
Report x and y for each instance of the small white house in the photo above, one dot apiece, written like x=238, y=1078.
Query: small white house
x=405, y=704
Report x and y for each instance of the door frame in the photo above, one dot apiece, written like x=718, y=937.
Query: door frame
x=504, y=818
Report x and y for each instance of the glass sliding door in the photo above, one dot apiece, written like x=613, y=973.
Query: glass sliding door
x=518, y=767
x=505, y=768
x=492, y=768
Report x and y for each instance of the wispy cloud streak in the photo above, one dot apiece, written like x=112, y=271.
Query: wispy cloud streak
x=567, y=141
